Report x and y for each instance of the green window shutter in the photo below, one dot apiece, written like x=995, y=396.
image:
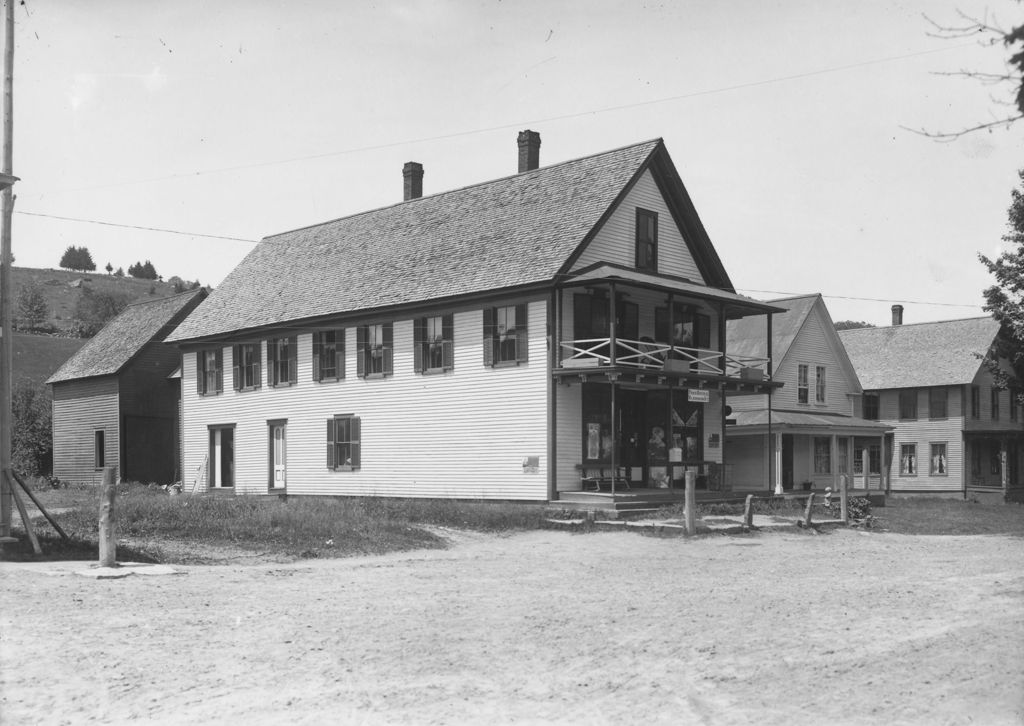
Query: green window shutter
x=316, y=356
x=339, y=352
x=236, y=378
x=522, y=335
x=219, y=358
x=489, y=336
x=293, y=359
x=361, y=351
x=355, y=448
x=448, y=347
x=200, y=372
x=330, y=443
x=389, y=344
x=419, y=335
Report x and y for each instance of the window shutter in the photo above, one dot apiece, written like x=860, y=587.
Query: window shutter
x=488, y=336
x=257, y=365
x=219, y=358
x=389, y=344
x=316, y=357
x=293, y=359
x=522, y=337
x=361, y=351
x=273, y=349
x=356, y=447
x=330, y=443
x=200, y=372
x=236, y=379
x=419, y=335
x=448, y=346
x=339, y=352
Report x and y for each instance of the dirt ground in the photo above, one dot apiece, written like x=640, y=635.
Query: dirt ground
x=543, y=627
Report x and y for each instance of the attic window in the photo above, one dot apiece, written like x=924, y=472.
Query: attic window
x=646, y=240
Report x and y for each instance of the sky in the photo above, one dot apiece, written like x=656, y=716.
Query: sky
x=789, y=122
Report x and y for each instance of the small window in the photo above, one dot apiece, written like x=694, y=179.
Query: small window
x=375, y=350
x=505, y=335
x=975, y=402
x=995, y=403
x=99, y=449
x=343, y=443
x=646, y=240
x=908, y=404
x=802, y=385
x=871, y=406
x=819, y=384
x=875, y=459
x=908, y=459
x=282, y=361
x=937, y=403
x=822, y=455
x=246, y=371
x=433, y=341
x=937, y=465
x=329, y=355
x=209, y=372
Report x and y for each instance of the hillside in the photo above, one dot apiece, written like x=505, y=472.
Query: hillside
x=62, y=290
x=37, y=357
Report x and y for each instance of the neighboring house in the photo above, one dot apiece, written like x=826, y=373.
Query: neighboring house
x=955, y=432
x=515, y=339
x=116, y=402
x=811, y=431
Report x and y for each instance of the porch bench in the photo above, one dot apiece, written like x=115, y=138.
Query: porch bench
x=598, y=478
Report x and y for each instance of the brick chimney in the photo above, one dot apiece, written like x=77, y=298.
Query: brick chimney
x=529, y=150
x=897, y=315
x=413, y=174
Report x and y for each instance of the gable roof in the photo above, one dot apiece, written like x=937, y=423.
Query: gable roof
x=506, y=234
x=121, y=339
x=921, y=354
x=746, y=337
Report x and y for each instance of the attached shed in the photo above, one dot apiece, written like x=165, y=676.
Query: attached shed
x=115, y=401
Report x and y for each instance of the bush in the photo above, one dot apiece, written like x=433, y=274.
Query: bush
x=856, y=507
x=31, y=435
x=32, y=308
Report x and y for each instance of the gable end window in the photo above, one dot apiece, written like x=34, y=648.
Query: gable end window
x=343, y=443
x=505, y=335
x=246, y=371
x=282, y=361
x=908, y=404
x=819, y=384
x=329, y=355
x=375, y=350
x=646, y=240
x=209, y=372
x=802, y=390
x=433, y=344
x=938, y=403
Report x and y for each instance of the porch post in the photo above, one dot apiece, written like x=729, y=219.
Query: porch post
x=834, y=455
x=611, y=326
x=777, y=463
x=671, y=343
x=865, y=468
x=1003, y=464
x=774, y=477
x=615, y=438
x=883, y=480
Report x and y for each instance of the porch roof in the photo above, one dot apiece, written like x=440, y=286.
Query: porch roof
x=757, y=422
x=737, y=306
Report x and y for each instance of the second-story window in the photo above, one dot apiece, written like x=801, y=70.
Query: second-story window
x=375, y=345
x=433, y=341
x=937, y=403
x=282, y=361
x=819, y=384
x=646, y=240
x=246, y=370
x=329, y=355
x=505, y=335
x=209, y=372
x=908, y=404
x=871, y=406
x=802, y=385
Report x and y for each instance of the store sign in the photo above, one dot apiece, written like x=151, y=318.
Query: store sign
x=698, y=396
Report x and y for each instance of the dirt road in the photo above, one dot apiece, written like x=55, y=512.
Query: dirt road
x=544, y=627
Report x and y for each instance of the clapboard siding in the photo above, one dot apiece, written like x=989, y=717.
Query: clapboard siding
x=80, y=408
x=813, y=347
x=462, y=434
x=615, y=242
x=748, y=470
x=923, y=432
x=568, y=412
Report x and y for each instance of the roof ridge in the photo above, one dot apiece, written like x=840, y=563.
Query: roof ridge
x=522, y=174
x=138, y=303
x=914, y=325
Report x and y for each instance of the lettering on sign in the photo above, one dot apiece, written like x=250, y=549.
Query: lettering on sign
x=698, y=396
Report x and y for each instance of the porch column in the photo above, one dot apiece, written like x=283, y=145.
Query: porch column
x=883, y=480
x=865, y=458
x=777, y=463
x=1004, y=475
x=615, y=438
x=834, y=455
x=611, y=325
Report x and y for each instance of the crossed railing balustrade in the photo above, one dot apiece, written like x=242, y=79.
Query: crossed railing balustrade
x=649, y=354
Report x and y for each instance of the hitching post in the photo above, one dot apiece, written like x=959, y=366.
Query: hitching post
x=691, y=502
x=108, y=547
x=843, y=505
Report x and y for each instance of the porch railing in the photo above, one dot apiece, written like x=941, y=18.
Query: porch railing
x=648, y=354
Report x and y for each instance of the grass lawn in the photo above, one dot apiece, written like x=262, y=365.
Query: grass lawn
x=932, y=515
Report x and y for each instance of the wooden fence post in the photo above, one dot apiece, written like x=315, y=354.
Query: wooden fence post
x=108, y=546
x=807, y=511
x=748, y=512
x=843, y=497
x=691, y=502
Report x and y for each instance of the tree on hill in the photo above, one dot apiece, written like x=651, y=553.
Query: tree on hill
x=93, y=310
x=852, y=324
x=182, y=285
x=109, y=268
x=143, y=271
x=1005, y=299
x=77, y=258
x=120, y=272
x=32, y=308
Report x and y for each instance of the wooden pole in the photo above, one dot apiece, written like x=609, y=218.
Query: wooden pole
x=39, y=506
x=748, y=512
x=807, y=511
x=844, y=507
x=691, y=502
x=6, y=342
x=108, y=545
x=25, y=519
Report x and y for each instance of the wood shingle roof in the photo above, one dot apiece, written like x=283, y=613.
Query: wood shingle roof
x=504, y=234
x=121, y=339
x=919, y=355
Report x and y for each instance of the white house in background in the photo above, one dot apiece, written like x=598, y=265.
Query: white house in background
x=811, y=431
x=955, y=431
x=516, y=339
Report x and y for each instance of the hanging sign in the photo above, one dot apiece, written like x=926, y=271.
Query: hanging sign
x=694, y=395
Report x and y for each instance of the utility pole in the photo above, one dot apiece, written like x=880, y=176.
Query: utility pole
x=6, y=334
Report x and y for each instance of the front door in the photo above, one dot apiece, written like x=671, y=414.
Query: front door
x=278, y=451
x=222, y=457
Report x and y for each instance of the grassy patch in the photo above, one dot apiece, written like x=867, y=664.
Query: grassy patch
x=186, y=528
x=933, y=515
